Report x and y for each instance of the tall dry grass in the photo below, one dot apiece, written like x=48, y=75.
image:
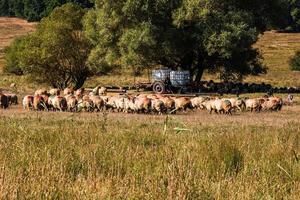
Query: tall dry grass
x=115, y=156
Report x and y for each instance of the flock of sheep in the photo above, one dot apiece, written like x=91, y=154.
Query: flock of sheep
x=97, y=100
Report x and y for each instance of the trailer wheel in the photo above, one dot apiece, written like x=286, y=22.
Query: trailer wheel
x=159, y=87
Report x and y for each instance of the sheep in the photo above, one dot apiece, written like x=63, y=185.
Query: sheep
x=143, y=104
x=40, y=92
x=226, y=107
x=208, y=105
x=169, y=104
x=28, y=102
x=54, y=91
x=129, y=105
x=68, y=91
x=157, y=106
x=272, y=103
x=183, y=103
x=59, y=103
x=39, y=103
x=79, y=93
x=4, y=101
x=237, y=103
x=71, y=103
x=254, y=104
x=98, y=102
x=102, y=91
x=218, y=106
x=12, y=98
x=197, y=102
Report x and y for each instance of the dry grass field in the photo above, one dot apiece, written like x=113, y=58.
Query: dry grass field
x=118, y=156
x=194, y=155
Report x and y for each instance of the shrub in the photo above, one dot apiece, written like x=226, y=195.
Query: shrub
x=295, y=62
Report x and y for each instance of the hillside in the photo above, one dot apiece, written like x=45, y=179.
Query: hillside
x=276, y=48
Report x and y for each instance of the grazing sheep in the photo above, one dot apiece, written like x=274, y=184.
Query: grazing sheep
x=39, y=103
x=237, y=104
x=226, y=107
x=4, y=101
x=197, y=102
x=40, y=92
x=97, y=102
x=210, y=106
x=86, y=105
x=129, y=105
x=102, y=91
x=157, y=106
x=59, y=103
x=71, y=103
x=272, y=103
x=169, y=104
x=68, y=91
x=183, y=103
x=12, y=98
x=28, y=102
x=254, y=104
x=79, y=93
x=143, y=104
x=54, y=91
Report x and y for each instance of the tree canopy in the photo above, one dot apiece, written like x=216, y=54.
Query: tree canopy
x=35, y=10
x=196, y=35
x=56, y=53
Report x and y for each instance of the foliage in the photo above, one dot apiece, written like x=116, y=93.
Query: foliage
x=56, y=53
x=13, y=54
x=295, y=62
x=294, y=10
x=35, y=10
x=195, y=35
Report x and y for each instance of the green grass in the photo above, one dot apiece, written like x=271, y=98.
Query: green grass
x=90, y=156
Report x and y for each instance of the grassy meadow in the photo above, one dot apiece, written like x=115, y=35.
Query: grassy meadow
x=112, y=156
x=117, y=156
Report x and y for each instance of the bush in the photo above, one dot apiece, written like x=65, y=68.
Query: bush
x=295, y=62
x=12, y=55
x=56, y=52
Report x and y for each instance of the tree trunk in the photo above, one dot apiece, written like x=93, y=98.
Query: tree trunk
x=199, y=74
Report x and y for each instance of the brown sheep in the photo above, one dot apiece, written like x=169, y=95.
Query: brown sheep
x=59, y=103
x=28, y=102
x=157, y=106
x=183, y=103
x=54, y=91
x=4, y=101
x=169, y=103
x=71, y=103
x=41, y=92
x=97, y=102
x=13, y=99
x=68, y=91
x=39, y=103
x=143, y=104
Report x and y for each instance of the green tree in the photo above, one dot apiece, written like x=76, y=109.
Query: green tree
x=294, y=10
x=4, y=8
x=57, y=52
x=35, y=10
x=13, y=54
x=196, y=35
x=295, y=62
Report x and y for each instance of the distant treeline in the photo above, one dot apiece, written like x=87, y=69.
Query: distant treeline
x=35, y=10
